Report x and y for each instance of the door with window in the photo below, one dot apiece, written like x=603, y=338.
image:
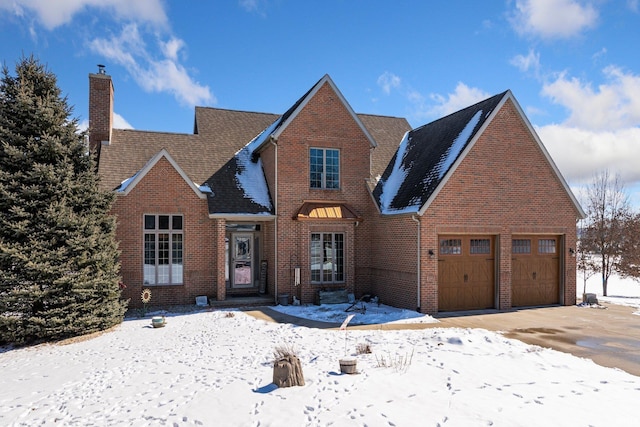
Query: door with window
x=327, y=258
x=241, y=265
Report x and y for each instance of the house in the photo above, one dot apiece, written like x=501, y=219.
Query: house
x=466, y=212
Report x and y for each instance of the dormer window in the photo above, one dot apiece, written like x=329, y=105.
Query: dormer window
x=324, y=168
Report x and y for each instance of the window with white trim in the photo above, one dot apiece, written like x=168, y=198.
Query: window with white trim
x=327, y=257
x=324, y=168
x=163, y=249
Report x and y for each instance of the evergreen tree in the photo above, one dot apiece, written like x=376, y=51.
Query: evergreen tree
x=59, y=269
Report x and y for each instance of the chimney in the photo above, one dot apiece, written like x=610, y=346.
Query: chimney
x=100, y=110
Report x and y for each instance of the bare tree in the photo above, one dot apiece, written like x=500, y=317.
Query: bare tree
x=607, y=207
x=629, y=264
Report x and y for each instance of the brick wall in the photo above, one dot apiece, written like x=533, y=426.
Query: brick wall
x=100, y=110
x=163, y=191
x=324, y=122
x=504, y=186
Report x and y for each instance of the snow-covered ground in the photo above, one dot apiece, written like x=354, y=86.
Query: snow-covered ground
x=621, y=291
x=214, y=368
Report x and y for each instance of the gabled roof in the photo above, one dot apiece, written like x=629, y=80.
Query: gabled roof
x=221, y=133
x=428, y=156
x=295, y=109
x=425, y=156
x=128, y=184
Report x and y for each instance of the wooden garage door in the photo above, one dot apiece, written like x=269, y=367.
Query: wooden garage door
x=535, y=270
x=466, y=273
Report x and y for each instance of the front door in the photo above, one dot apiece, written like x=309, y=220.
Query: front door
x=241, y=267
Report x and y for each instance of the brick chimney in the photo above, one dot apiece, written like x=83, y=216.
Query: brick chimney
x=100, y=110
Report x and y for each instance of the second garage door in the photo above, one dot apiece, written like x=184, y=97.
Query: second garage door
x=466, y=273
x=535, y=264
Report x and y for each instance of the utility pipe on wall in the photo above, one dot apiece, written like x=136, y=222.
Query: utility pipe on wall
x=413, y=217
x=275, y=208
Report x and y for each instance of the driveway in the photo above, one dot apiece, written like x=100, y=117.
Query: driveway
x=609, y=336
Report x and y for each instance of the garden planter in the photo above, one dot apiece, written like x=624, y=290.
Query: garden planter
x=158, y=321
x=348, y=365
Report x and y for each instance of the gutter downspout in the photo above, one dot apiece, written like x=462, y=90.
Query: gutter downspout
x=413, y=217
x=275, y=205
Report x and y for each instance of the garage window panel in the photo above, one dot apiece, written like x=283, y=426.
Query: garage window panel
x=547, y=246
x=521, y=246
x=450, y=246
x=480, y=246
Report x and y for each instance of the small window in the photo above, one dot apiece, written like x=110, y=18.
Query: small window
x=521, y=246
x=450, y=246
x=480, y=246
x=547, y=246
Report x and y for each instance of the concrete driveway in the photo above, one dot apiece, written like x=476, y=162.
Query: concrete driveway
x=609, y=336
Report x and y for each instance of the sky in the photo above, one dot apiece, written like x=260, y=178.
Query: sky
x=210, y=368
x=572, y=65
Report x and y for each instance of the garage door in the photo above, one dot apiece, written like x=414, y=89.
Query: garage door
x=466, y=273
x=535, y=270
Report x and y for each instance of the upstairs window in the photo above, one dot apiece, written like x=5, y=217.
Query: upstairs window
x=163, y=249
x=324, y=168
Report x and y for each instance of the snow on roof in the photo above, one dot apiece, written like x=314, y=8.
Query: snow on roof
x=124, y=184
x=461, y=140
x=204, y=188
x=392, y=184
x=249, y=175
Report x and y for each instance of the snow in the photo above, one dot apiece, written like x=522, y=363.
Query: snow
x=461, y=140
x=250, y=176
x=392, y=184
x=215, y=368
x=204, y=188
x=621, y=291
x=124, y=184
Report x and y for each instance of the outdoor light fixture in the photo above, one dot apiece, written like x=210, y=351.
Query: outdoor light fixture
x=572, y=251
x=431, y=253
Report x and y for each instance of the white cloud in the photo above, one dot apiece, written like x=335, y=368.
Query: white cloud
x=579, y=153
x=52, y=14
x=119, y=122
x=614, y=105
x=462, y=97
x=553, y=18
x=530, y=62
x=388, y=81
x=153, y=74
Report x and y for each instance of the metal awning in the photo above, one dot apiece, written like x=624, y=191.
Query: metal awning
x=326, y=211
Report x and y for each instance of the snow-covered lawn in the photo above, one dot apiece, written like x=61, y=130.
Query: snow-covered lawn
x=214, y=368
x=621, y=291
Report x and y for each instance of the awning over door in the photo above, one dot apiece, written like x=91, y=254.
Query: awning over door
x=326, y=211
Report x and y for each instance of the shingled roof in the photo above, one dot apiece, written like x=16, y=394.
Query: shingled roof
x=222, y=152
x=427, y=154
x=219, y=135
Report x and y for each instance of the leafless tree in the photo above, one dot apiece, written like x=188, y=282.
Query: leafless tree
x=607, y=208
x=629, y=264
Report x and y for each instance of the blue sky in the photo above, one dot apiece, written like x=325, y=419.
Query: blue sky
x=573, y=65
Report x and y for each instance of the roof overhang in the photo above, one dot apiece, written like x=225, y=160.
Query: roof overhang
x=243, y=217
